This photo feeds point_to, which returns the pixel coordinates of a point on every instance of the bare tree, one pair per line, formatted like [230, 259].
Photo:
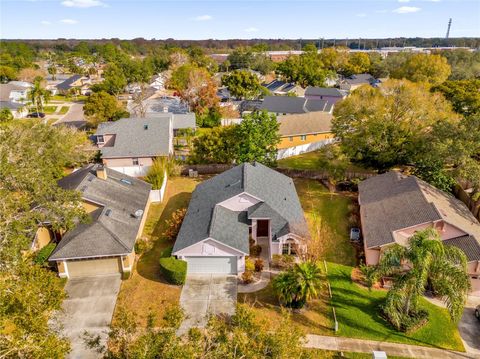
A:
[139, 101]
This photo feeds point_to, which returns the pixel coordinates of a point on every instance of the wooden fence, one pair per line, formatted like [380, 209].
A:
[294, 173]
[473, 206]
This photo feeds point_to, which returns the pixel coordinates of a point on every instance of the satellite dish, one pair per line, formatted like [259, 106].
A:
[138, 213]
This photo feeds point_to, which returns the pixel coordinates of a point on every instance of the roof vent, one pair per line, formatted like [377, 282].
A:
[138, 213]
[145, 127]
[126, 181]
[108, 212]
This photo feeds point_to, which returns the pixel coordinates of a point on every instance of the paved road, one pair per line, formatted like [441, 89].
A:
[368, 346]
[89, 307]
[205, 294]
[74, 117]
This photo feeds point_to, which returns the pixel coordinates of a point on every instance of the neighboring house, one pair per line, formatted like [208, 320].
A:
[224, 94]
[130, 145]
[393, 207]
[249, 200]
[355, 81]
[15, 91]
[331, 94]
[17, 109]
[158, 82]
[79, 82]
[283, 105]
[282, 88]
[118, 206]
[302, 133]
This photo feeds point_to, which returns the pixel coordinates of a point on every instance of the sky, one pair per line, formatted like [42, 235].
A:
[229, 19]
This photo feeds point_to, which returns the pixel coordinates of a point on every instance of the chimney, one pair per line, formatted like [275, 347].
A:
[101, 172]
[165, 109]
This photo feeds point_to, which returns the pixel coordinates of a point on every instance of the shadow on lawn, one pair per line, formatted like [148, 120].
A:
[148, 265]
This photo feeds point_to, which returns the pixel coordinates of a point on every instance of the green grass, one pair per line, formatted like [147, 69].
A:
[327, 217]
[49, 109]
[310, 161]
[357, 312]
[63, 110]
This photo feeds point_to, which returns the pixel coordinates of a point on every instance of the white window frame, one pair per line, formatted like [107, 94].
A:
[135, 161]
[101, 142]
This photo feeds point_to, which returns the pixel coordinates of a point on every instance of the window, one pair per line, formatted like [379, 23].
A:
[135, 161]
[289, 247]
[290, 139]
[303, 137]
[286, 248]
[100, 139]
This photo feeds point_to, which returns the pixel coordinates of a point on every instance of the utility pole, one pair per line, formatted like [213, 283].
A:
[448, 28]
[322, 42]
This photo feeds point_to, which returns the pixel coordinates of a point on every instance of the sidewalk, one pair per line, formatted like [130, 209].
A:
[368, 346]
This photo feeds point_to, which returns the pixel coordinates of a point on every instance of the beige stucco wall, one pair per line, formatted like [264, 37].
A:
[90, 207]
[473, 267]
[372, 256]
[292, 141]
[129, 260]
[43, 237]
[61, 269]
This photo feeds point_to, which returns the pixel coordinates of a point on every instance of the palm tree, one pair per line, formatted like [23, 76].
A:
[38, 95]
[424, 260]
[52, 70]
[299, 284]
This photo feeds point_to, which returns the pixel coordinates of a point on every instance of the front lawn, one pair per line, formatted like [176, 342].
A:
[358, 315]
[63, 110]
[147, 291]
[327, 215]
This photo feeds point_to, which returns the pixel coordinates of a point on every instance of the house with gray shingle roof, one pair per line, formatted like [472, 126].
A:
[283, 105]
[117, 205]
[282, 88]
[353, 82]
[394, 206]
[249, 200]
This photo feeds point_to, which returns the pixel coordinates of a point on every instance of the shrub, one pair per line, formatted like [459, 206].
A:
[174, 223]
[44, 253]
[259, 265]
[167, 252]
[249, 264]
[255, 250]
[174, 316]
[126, 274]
[143, 245]
[156, 173]
[174, 270]
[283, 260]
[247, 277]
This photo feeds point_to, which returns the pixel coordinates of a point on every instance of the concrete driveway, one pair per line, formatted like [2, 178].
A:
[207, 294]
[74, 117]
[89, 307]
[469, 328]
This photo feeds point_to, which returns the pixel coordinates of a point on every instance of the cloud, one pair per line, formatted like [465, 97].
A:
[45, 22]
[203, 18]
[362, 14]
[69, 21]
[407, 9]
[251, 29]
[83, 3]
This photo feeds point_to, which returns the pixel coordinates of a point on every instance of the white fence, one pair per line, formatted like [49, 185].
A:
[134, 171]
[298, 150]
[156, 195]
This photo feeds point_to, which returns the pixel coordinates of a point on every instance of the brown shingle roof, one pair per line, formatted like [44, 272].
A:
[312, 122]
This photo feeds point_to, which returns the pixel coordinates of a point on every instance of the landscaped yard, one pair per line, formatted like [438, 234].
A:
[310, 161]
[63, 110]
[328, 211]
[358, 315]
[146, 291]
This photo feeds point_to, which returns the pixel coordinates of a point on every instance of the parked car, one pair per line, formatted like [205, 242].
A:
[355, 234]
[477, 312]
[36, 115]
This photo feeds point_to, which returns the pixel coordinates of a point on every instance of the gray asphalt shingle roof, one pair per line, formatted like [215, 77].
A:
[292, 105]
[392, 201]
[138, 137]
[204, 219]
[113, 227]
[324, 91]
[65, 85]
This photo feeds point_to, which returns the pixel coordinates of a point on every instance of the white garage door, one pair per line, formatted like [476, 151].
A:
[224, 265]
[93, 267]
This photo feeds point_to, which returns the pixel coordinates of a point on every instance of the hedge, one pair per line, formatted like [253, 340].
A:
[44, 253]
[174, 270]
